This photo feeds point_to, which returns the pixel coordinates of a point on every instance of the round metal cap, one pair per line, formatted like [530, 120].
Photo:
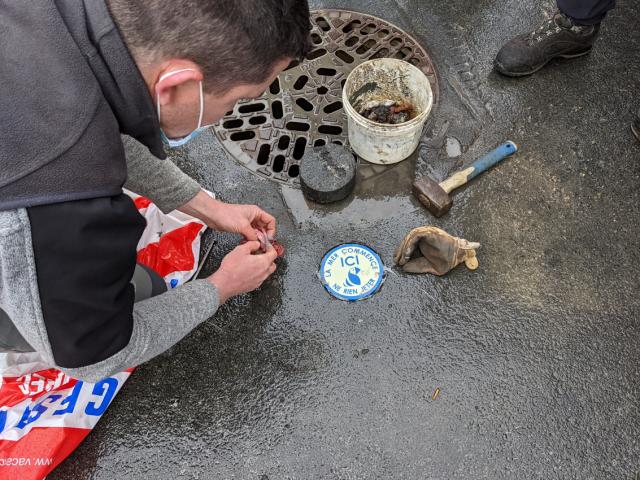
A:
[328, 173]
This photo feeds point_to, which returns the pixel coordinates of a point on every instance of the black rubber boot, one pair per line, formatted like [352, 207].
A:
[635, 126]
[557, 37]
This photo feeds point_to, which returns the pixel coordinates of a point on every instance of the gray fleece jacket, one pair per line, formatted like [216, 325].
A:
[158, 323]
[73, 89]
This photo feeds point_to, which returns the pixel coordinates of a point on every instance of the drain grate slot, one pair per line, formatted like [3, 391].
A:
[344, 56]
[263, 154]
[278, 163]
[303, 108]
[283, 143]
[301, 82]
[370, 28]
[365, 47]
[352, 41]
[298, 126]
[305, 104]
[330, 129]
[382, 53]
[239, 136]
[259, 120]
[323, 24]
[294, 171]
[274, 88]
[276, 110]
[333, 107]
[403, 53]
[316, 54]
[231, 124]
[252, 108]
[327, 72]
[351, 26]
[299, 148]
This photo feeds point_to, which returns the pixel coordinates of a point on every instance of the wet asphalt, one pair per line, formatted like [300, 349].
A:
[536, 354]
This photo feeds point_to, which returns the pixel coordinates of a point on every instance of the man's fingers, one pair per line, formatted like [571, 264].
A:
[268, 222]
[249, 233]
[271, 228]
[272, 268]
[271, 254]
[252, 246]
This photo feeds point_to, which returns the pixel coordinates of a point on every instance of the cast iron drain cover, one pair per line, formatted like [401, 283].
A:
[303, 106]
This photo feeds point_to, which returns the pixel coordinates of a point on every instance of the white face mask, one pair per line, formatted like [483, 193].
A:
[175, 143]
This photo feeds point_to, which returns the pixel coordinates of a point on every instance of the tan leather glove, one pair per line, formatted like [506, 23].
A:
[432, 250]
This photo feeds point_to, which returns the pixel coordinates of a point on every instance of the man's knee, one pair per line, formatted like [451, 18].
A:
[11, 340]
[147, 283]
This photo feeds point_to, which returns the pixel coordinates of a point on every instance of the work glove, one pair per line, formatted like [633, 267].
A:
[432, 250]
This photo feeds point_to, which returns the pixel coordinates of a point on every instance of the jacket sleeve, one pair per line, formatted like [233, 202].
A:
[158, 324]
[161, 181]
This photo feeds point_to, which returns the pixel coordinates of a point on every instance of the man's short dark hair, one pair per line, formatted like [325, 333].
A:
[233, 41]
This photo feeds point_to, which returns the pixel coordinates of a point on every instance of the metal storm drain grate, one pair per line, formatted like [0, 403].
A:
[303, 106]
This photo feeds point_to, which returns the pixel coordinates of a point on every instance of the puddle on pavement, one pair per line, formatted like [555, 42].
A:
[454, 149]
[381, 192]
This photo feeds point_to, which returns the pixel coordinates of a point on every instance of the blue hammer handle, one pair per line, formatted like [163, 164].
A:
[479, 166]
[485, 163]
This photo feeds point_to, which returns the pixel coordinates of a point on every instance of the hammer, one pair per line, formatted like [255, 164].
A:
[435, 196]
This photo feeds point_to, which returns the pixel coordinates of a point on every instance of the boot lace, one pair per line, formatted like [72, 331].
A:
[548, 28]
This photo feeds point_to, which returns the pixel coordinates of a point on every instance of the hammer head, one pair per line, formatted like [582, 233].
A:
[432, 196]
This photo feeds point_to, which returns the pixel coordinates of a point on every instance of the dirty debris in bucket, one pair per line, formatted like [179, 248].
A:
[388, 111]
[387, 102]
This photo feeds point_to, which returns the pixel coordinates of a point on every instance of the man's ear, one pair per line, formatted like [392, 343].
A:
[173, 74]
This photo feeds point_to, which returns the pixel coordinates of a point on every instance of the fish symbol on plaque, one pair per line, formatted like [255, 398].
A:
[353, 277]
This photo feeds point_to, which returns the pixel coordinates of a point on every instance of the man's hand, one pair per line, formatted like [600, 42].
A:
[243, 219]
[243, 270]
[225, 217]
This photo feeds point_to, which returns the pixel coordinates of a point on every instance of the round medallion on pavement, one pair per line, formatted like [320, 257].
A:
[352, 272]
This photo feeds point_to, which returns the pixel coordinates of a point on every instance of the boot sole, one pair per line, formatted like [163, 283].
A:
[503, 71]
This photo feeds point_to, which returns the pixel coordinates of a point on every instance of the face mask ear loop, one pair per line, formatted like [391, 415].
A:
[201, 105]
[173, 73]
[158, 105]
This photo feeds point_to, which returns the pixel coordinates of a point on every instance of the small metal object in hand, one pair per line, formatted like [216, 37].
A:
[264, 240]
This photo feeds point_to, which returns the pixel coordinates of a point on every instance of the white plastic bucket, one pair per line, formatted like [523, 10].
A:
[386, 79]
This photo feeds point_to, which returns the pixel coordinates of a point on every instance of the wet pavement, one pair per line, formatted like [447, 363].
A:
[536, 354]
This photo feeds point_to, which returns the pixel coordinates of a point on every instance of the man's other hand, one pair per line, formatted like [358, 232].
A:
[226, 217]
[243, 270]
[243, 219]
